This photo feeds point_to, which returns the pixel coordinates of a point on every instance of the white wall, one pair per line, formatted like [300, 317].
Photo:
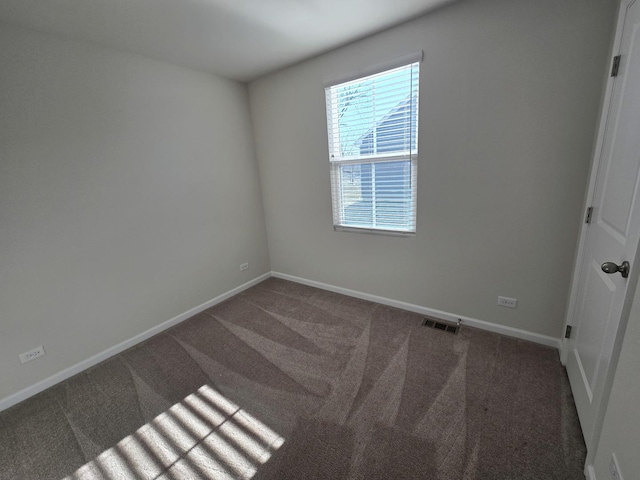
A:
[621, 428]
[509, 100]
[129, 194]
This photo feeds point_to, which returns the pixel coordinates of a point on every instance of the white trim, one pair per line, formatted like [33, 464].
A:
[374, 231]
[472, 322]
[36, 388]
[63, 375]
[372, 70]
[590, 472]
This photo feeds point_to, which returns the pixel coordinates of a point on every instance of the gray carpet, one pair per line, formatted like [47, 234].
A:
[286, 382]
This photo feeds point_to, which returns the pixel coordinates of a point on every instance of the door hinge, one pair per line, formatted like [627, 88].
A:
[615, 66]
[587, 218]
[567, 332]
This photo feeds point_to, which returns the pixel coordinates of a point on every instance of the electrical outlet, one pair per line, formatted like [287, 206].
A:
[507, 302]
[614, 468]
[31, 354]
[244, 266]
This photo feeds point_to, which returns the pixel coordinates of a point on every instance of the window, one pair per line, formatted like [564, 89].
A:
[372, 123]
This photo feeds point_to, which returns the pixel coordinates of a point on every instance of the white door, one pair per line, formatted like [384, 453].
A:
[612, 235]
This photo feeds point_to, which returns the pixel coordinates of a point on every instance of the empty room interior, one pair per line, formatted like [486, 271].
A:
[319, 239]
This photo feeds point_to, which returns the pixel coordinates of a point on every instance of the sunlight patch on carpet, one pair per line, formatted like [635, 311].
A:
[204, 436]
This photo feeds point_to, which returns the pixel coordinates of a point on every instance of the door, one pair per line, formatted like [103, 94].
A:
[612, 235]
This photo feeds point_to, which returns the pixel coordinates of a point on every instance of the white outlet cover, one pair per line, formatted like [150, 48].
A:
[32, 354]
[508, 302]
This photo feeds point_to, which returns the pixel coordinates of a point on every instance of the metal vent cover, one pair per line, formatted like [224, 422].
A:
[443, 325]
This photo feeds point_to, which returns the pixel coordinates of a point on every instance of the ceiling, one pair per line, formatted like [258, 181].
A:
[238, 39]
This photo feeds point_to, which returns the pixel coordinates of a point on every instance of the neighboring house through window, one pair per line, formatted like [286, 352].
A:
[372, 123]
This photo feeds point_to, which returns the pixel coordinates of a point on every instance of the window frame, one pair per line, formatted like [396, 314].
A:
[373, 159]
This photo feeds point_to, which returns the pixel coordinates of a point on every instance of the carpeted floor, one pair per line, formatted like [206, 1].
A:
[286, 382]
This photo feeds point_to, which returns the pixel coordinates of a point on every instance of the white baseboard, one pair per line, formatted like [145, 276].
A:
[590, 472]
[116, 349]
[25, 393]
[472, 322]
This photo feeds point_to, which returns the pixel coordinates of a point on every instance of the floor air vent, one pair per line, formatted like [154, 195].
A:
[448, 327]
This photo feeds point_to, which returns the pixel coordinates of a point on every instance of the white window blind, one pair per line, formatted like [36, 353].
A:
[372, 124]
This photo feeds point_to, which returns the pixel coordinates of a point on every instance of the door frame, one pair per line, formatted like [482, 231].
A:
[576, 279]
